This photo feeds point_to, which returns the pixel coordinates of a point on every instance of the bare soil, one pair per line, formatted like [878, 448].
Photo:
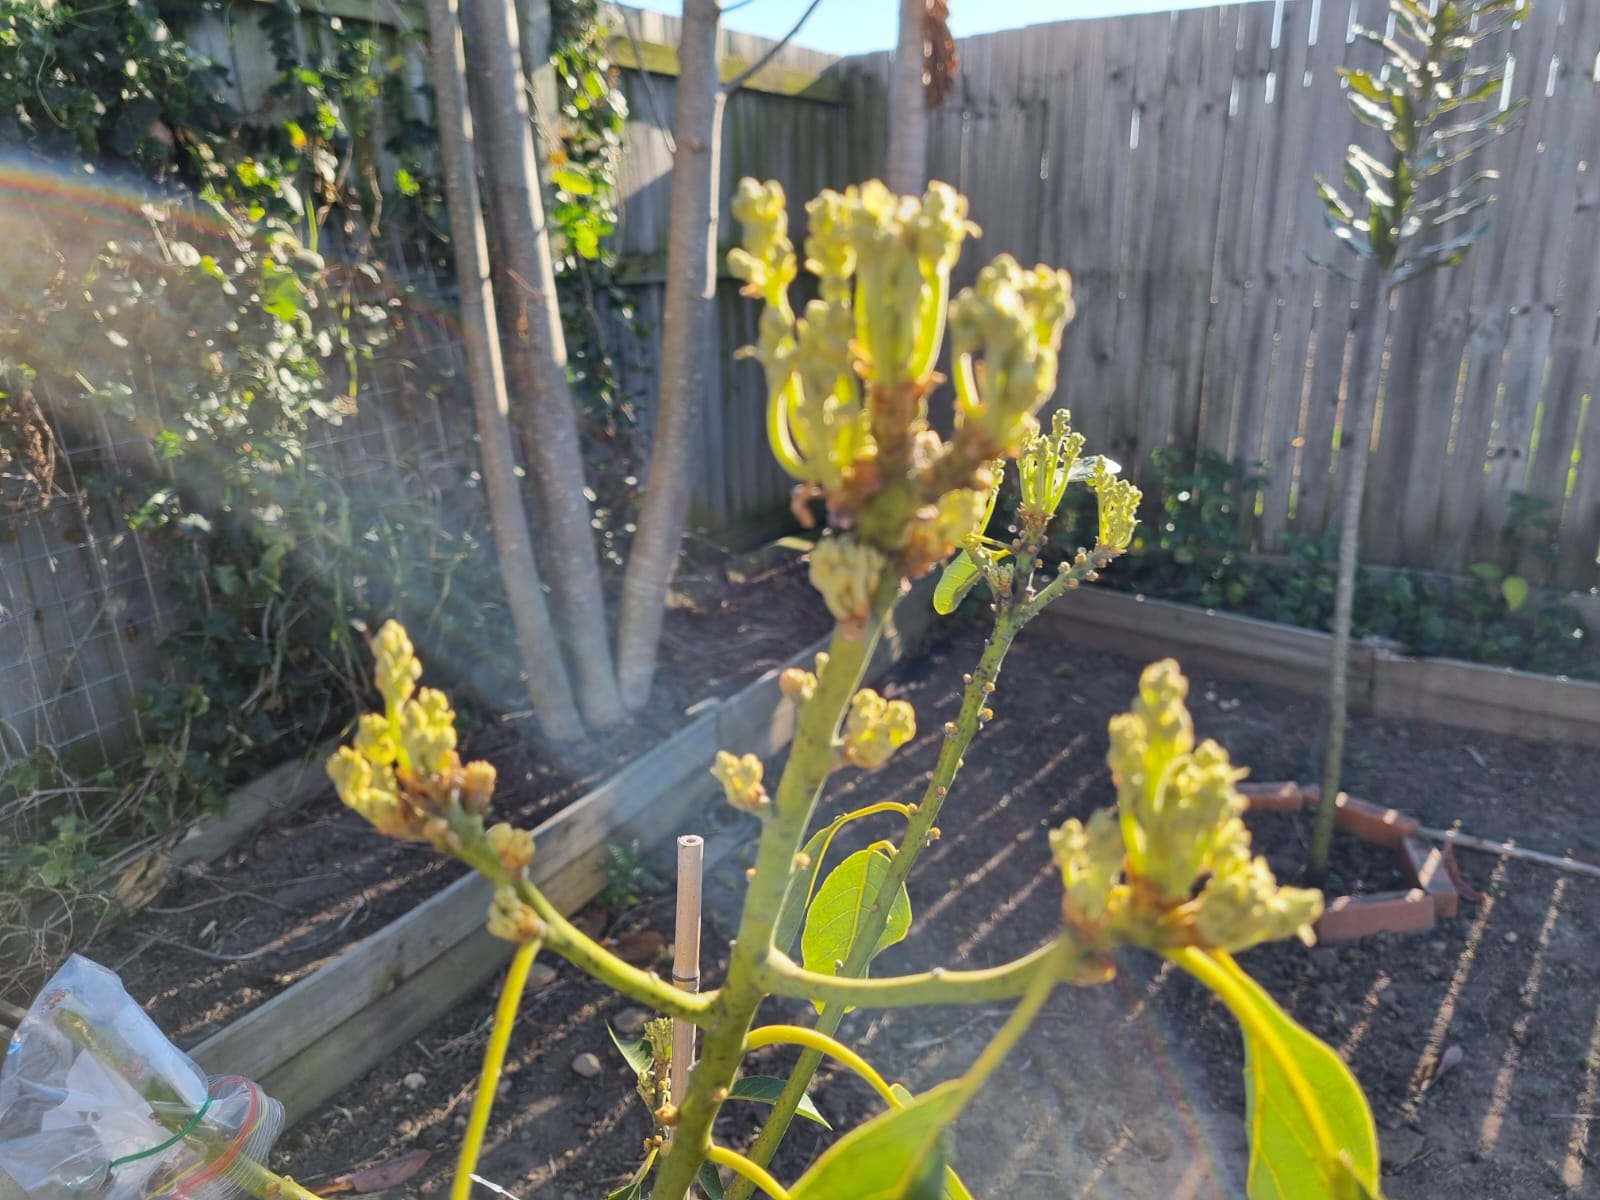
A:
[226, 937]
[1128, 1090]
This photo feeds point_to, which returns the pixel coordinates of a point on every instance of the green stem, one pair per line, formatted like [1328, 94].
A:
[918, 832]
[505, 1018]
[735, 1003]
[1058, 966]
[1087, 565]
[780, 976]
[747, 1170]
[799, 1035]
[571, 943]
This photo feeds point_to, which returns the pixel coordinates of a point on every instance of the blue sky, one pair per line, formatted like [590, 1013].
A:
[855, 26]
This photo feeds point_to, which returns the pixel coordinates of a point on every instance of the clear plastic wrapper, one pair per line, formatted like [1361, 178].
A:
[95, 1101]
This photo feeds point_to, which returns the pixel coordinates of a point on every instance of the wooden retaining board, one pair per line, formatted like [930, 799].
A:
[1382, 681]
[311, 1041]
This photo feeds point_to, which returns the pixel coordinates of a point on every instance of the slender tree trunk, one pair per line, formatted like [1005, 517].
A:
[685, 323]
[536, 356]
[548, 688]
[1360, 411]
[908, 104]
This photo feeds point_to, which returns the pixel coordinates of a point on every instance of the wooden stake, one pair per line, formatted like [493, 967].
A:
[686, 956]
[1506, 850]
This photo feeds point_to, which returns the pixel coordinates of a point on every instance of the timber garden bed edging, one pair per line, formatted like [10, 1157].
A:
[1383, 682]
[317, 1037]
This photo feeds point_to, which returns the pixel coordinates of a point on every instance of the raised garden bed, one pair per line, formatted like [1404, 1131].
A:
[310, 1039]
[1382, 681]
[1131, 1090]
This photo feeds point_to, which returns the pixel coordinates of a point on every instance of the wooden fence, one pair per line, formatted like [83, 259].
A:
[1167, 161]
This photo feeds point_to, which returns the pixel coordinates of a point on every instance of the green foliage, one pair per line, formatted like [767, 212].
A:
[583, 217]
[1401, 209]
[833, 920]
[898, 1155]
[1190, 550]
[629, 876]
[765, 1089]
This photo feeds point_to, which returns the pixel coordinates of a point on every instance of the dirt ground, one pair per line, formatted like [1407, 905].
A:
[222, 938]
[1131, 1090]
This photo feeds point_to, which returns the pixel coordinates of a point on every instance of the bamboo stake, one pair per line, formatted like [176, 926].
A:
[1507, 850]
[686, 956]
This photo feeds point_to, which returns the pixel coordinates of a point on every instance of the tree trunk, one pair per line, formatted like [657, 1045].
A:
[536, 357]
[1360, 411]
[548, 689]
[685, 323]
[908, 104]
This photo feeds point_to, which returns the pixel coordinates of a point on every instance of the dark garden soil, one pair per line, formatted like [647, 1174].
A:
[1130, 1090]
[222, 938]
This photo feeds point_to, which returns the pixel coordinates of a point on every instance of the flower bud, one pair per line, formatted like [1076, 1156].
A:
[477, 786]
[876, 728]
[396, 666]
[513, 919]
[512, 846]
[1119, 507]
[848, 575]
[797, 684]
[427, 730]
[740, 777]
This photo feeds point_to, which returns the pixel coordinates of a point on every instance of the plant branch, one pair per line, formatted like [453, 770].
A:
[494, 1057]
[782, 977]
[738, 1163]
[810, 762]
[799, 1035]
[1061, 960]
[1083, 570]
[744, 77]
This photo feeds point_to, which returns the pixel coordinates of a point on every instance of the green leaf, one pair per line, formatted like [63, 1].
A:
[1487, 571]
[1287, 1159]
[1514, 588]
[793, 911]
[765, 1089]
[634, 1188]
[954, 1189]
[635, 1050]
[836, 914]
[961, 575]
[573, 179]
[709, 1181]
[898, 1155]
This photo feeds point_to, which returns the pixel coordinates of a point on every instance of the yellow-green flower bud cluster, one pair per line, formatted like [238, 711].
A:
[1005, 334]
[848, 573]
[798, 684]
[1119, 506]
[1045, 465]
[512, 918]
[875, 728]
[512, 846]
[402, 772]
[1173, 867]
[740, 777]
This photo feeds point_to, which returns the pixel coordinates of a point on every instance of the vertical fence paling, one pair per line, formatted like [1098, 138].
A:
[1175, 155]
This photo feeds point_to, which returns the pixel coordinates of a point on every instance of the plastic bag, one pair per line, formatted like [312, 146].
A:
[95, 1101]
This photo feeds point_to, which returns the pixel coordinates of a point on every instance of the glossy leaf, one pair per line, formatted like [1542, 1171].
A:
[1287, 1158]
[709, 1181]
[954, 1189]
[1514, 589]
[635, 1050]
[961, 575]
[835, 916]
[793, 912]
[898, 1155]
[765, 1089]
[634, 1188]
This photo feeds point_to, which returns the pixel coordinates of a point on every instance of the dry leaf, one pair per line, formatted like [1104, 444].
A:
[380, 1177]
[641, 948]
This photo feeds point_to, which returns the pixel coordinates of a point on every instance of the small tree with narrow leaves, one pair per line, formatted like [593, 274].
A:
[1413, 206]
